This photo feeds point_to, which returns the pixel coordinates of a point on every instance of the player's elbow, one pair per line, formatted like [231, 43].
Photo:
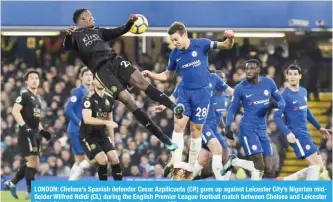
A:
[86, 119]
[67, 111]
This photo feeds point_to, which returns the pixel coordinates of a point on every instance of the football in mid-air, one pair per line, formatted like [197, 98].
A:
[140, 25]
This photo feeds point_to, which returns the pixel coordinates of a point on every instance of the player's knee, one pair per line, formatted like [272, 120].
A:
[33, 162]
[215, 147]
[113, 158]
[258, 162]
[196, 130]
[179, 126]
[203, 161]
[143, 84]
[127, 100]
[101, 159]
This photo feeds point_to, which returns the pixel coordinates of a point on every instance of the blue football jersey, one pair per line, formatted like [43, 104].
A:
[73, 109]
[255, 99]
[217, 84]
[192, 63]
[296, 112]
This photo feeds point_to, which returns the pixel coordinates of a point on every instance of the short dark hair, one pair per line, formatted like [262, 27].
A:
[78, 13]
[28, 72]
[294, 66]
[255, 61]
[83, 70]
[177, 27]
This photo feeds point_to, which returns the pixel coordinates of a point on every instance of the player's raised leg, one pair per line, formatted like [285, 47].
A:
[136, 79]
[143, 118]
[116, 88]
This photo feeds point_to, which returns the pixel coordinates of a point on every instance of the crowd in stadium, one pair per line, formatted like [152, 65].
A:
[141, 154]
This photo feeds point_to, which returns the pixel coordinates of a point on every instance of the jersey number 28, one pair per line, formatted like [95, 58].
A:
[201, 113]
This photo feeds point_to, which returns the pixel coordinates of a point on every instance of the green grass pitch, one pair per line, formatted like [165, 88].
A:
[7, 197]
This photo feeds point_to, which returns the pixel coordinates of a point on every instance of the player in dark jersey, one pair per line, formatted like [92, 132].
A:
[255, 93]
[97, 117]
[297, 114]
[26, 112]
[114, 73]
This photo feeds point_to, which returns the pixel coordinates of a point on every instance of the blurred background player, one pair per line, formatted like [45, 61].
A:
[255, 93]
[26, 112]
[190, 58]
[73, 111]
[91, 45]
[97, 116]
[297, 113]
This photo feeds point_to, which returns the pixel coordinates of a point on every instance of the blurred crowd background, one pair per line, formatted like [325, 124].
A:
[141, 154]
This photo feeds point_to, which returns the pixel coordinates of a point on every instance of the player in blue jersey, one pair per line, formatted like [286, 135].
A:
[73, 111]
[255, 93]
[190, 58]
[212, 139]
[220, 102]
[297, 113]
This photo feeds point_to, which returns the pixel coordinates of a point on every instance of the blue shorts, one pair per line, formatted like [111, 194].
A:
[74, 138]
[255, 141]
[196, 103]
[210, 131]
[304, 145]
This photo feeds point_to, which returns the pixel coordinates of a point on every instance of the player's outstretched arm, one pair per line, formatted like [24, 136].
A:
[223, 86]
[229, 42]
[161, 108]
[88, 119]
[164, 76]
[110, 34]
[71, 104]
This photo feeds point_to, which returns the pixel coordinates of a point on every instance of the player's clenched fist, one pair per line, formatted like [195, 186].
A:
[291, 138]
[229, 34]
[146, 73]
[70, 30]
[132, 18]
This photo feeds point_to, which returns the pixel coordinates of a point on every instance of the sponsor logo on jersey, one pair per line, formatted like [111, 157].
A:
[89, 39]
[304, 107]
[266, 101]
[193, 64]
